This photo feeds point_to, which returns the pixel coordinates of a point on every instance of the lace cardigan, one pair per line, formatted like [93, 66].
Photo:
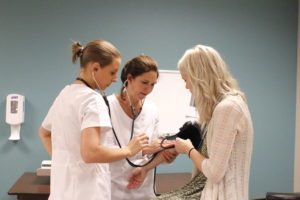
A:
[229, 143]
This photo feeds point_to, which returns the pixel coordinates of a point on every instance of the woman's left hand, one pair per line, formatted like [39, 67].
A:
[183, 146]
[169, 155]
[137, 178]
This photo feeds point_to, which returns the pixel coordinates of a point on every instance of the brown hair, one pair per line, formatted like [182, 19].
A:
[99, 51]
[138, 66]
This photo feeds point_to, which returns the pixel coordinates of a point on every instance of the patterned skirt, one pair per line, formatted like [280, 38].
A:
[193, 189]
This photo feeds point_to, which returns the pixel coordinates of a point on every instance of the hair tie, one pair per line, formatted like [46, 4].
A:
[80, 51]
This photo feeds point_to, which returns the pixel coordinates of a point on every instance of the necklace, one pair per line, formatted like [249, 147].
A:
[135, 112]
[127, 104]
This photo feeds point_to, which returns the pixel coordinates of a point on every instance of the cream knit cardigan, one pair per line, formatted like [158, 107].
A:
[229, 145]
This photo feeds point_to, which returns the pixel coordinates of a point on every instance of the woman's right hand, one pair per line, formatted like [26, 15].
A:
[137, 143]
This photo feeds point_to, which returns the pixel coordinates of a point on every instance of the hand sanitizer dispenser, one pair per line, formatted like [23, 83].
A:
[15, 110]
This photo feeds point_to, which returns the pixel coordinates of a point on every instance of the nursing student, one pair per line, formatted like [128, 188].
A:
[77, 124]
[225, 157]
[132, 113]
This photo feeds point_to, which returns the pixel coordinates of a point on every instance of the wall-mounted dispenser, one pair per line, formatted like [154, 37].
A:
[15, 112]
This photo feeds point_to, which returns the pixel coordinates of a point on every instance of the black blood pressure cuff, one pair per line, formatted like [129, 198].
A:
[189, 130]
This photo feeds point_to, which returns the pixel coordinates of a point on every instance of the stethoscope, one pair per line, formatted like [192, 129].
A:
[135, 115]
[173, 137]
[132, 129]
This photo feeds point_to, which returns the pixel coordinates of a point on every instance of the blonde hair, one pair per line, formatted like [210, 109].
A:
[210, 78]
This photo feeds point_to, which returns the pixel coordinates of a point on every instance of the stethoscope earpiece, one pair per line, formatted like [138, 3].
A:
[125, 84]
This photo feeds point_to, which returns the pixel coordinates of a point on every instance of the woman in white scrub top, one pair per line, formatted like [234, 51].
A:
[77, 124]
[139, 76]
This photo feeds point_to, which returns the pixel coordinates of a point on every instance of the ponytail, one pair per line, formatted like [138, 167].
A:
[77, 51]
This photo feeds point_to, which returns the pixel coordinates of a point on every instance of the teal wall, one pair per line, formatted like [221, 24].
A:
[257, 39]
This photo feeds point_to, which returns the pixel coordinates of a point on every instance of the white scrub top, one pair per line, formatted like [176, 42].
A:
[76, 107]
[146, 122]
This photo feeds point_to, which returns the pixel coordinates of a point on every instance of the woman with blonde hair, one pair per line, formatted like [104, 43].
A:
[222, 107]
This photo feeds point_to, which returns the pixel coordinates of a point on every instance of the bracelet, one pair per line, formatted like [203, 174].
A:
[189, 154]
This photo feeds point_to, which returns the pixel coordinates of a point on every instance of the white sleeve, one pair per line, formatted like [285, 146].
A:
[224, 129]
[47, 122]
[110, 140]
[155, 129]
[152, 127]
[94, 113]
